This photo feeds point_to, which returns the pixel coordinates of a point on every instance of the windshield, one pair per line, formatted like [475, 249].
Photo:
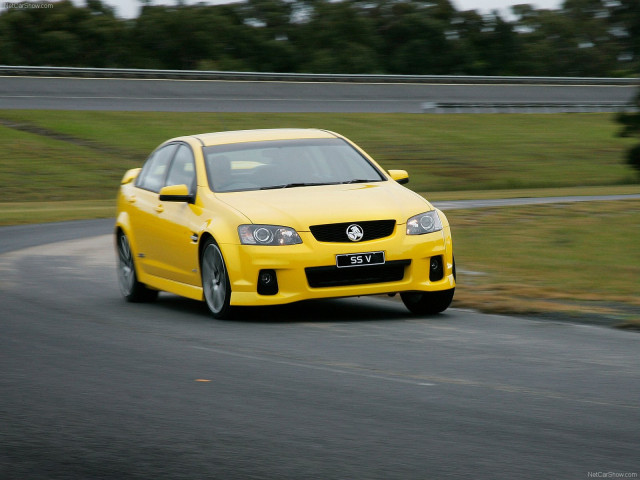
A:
[286, 164]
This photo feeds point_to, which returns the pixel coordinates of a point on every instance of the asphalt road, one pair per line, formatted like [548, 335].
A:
[514, 202]
[94, 387]
[249, 96]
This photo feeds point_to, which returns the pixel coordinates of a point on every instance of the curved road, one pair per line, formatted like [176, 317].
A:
[279, 96]
[94, 387]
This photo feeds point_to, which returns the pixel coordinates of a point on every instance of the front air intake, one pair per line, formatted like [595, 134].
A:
[267, 282]
[337, 232]
[331, 276]
[436, 269]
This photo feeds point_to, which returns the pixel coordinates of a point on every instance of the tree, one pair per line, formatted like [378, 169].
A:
[583, 38]
[63, 35]
[413, 36]
[624, 21]
[336, 37]
[630, 122]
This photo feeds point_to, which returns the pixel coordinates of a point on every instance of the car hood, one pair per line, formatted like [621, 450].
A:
[301, 207]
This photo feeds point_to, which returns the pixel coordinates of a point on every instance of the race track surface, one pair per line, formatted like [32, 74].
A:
[94, 387]
[247, 96]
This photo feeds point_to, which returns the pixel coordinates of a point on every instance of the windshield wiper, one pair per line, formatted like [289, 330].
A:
[297, 184]
[359, 180]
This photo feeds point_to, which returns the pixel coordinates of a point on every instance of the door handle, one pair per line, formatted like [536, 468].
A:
[160, 208]
[131, 199]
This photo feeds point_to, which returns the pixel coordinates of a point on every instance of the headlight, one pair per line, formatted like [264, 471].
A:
[268, 235]
[428, 222]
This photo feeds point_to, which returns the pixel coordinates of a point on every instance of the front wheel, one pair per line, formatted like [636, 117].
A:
[132, 290]
[215, 281]
[427, 303]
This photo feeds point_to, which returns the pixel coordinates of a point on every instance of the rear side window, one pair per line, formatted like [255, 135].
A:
[154, 170]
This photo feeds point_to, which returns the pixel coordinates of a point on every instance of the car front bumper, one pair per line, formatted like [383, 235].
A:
[406, 268]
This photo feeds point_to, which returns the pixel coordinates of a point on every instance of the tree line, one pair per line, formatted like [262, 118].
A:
[430, 37]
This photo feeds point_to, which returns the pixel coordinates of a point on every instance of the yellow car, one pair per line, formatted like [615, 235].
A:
[265, 217]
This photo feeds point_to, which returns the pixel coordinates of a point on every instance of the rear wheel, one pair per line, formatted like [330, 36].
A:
[215, 281]
[132, 290]
[427, 303]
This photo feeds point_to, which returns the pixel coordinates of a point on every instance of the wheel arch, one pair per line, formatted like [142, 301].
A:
[204, 238]
[207, 239]
[123, 225]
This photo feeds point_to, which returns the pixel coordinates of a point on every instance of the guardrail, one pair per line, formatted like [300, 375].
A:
[10, 70]
[526, 107]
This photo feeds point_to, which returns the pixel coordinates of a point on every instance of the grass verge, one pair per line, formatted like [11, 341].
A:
[67, 155]
[578, 260]
[18, 213]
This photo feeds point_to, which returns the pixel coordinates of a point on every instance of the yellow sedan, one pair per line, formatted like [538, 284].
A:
[266, 217]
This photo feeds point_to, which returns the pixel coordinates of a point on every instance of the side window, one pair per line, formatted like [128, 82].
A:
[153, 173]
[183, 169]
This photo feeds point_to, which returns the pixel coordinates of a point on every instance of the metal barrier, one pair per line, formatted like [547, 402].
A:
[10, 70]
[526, 107]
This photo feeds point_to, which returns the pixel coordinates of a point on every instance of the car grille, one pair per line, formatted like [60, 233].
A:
[319, 277]
[337, 232]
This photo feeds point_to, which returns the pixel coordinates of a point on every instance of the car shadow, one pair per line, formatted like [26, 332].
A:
[353, 309]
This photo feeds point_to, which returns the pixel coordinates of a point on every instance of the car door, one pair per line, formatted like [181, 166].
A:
[144, 203]
[176, 245]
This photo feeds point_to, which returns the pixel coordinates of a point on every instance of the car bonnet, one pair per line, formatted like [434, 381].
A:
[302, 207]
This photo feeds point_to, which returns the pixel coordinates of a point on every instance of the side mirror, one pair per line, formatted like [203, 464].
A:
[130, 175]
[400, 176]
[176, 193]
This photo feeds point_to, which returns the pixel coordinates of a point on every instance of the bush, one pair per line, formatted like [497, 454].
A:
[633, 157]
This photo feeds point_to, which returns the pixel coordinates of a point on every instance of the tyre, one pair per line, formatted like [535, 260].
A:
[132, 290]
[215, 281]
[427, 303]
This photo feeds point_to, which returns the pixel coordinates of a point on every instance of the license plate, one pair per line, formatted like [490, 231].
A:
[359, 259]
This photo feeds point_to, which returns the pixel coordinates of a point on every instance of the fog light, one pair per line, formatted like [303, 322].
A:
[267, 282]
[436, 270]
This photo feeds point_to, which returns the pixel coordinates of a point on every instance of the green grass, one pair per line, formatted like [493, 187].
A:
[39, 168]
[15, 213]
[575, 258]
[441, 152]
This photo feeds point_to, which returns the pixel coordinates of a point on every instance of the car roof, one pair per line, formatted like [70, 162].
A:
[240, 136]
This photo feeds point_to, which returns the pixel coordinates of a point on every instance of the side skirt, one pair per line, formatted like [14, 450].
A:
[182, 289]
